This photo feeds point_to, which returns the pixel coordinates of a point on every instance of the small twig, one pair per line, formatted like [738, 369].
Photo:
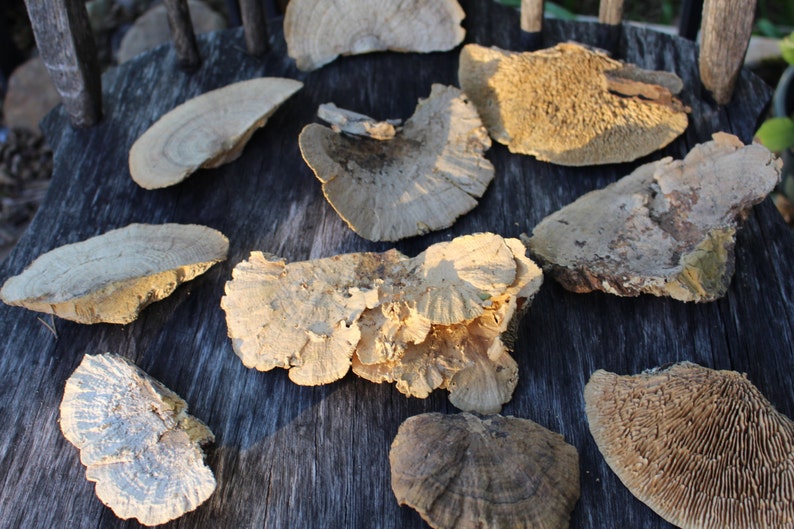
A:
[50, 326]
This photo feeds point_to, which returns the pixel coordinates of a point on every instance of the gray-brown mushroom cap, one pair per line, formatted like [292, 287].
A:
[464, 472]
[421, 180]
[569, 105]
[137, 441]
[318, 31]
[667, 229]
[112, 277]
[206, 131]
[702, 448]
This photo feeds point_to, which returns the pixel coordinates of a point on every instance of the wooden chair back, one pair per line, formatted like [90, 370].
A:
[66, 45]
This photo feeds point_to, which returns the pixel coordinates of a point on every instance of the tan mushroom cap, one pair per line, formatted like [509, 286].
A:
[569, 105]
[702, 448]
[434, 321]
[136, 440]
[465, 472]
[318, 31]
[302, 316]
[423, 179]
[206, 131]
[667, 229]
[112, 277]
[465, 350]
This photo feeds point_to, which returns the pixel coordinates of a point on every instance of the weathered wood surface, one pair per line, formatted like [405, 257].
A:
[291, 456]
[725, 35]
[66, 45]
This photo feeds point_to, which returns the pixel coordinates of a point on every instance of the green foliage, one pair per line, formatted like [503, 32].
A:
[787, 48]
[777, 134]
[550, 8]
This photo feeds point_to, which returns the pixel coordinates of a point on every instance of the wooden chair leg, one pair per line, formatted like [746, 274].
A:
[255, 27]
[182, 34]
[66, 45]
[725, 35]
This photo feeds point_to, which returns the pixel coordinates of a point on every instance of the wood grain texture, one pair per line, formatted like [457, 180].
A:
[182, 34]
[725, 35]
[66, 45]
[255, 27]
[291, 456]
[531, 15]
[610, 12]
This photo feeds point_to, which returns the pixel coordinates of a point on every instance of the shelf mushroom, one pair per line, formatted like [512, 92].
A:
[667, 229]
[136, 439]
[421, 180]
[702, 448]
[571, 106]
[438, 320]
[112, 277]
[318, 31]
[207, 131]
[466, 472]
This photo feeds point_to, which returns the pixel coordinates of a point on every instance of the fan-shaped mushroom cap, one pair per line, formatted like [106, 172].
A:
[423, 179]
[436, 320]
[136, 440]
[318, 31]
[569, 105]
[702, 448]
[112, 277]
[471, 300]
[302, 316]
[206, 131]
[666, 229]
[463, 472]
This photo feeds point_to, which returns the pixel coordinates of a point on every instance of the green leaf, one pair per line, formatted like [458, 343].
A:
[558, 11]
[787, 48]
[776, 134]
[765, 27]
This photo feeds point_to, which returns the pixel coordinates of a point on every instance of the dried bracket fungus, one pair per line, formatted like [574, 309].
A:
[318, 31]
[112, 277]
[702, 448]
[434, 321]
[137, 441]
[571, 106]
[666, 229]
[431, 172]
[206, 131]
[465, 472]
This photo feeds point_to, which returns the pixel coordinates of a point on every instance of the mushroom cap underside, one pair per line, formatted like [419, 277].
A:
[569, 105]
[137, 441]
[702, 448]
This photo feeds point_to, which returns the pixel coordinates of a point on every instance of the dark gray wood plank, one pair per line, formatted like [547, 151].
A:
[66, 45]
[291, 456]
